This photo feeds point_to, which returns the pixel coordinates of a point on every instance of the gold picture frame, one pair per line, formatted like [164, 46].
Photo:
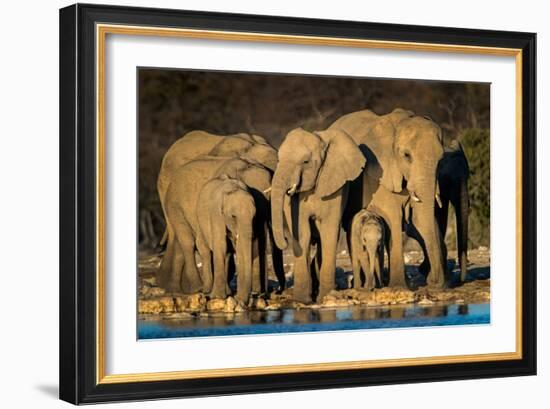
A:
[103, 22]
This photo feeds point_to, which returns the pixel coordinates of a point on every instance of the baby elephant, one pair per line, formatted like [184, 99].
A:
[226, 210]
[367, 248]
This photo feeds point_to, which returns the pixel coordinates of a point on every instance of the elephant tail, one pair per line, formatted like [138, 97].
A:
[162, 242]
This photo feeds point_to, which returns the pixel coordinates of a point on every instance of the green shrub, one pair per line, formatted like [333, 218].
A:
[476, 143]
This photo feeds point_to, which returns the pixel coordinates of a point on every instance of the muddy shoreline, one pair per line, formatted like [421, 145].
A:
[155, 303]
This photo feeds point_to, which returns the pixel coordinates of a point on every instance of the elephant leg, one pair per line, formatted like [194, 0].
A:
[277, 262]
[190, 280]
[378, 268]
[256, 268]
[206, 257]
[356, 267]
[168, 277]
[461, 205]
[220, 287]
[178, 263]
[229, 270]
[424, 267]
[262, 256]
[397, 266]
[315, 268]
[302, 276]
[347, 232]
[380, 265]
[329, 242]
[442, 217]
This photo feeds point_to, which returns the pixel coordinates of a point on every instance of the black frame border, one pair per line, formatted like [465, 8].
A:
[77, 315]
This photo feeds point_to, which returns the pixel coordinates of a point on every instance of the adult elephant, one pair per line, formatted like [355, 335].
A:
[253, 148]
[452, 176]
[182, 204]
[312, 173]
[403, 151]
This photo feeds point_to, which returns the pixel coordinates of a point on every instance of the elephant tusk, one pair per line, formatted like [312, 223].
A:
[265, 192]
[292, 189]
[438, 200]
[415, 198]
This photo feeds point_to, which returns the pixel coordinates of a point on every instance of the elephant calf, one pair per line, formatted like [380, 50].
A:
[367, 248]
[225, 211]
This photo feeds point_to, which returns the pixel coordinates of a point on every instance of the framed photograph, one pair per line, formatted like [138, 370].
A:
[258, 204]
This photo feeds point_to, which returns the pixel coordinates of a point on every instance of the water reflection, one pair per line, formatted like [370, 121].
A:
[291, 320]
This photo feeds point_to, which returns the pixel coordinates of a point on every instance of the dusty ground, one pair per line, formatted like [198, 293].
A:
[154, 300]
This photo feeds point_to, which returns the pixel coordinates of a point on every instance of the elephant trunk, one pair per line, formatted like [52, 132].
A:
[425, 222]
[280, 185]
[372, 250]
[244, 262]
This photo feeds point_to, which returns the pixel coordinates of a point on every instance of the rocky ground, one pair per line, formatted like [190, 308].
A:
[154, 302]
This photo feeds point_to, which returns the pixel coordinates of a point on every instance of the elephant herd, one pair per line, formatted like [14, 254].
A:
[374, 176]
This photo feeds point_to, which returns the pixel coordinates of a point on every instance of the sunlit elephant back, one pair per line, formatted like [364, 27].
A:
[196, 143]
[404, 150]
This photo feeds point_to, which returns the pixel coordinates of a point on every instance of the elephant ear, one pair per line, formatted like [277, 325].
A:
[392, 177]
[343, 162]
[210, 211]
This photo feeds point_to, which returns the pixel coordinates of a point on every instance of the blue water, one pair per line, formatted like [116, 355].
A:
[310, 320]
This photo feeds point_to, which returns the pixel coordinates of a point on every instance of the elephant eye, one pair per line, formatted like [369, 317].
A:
[407, 156]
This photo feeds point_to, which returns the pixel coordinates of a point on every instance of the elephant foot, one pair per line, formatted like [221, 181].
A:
[369, 287]
[242, 299]
[323, 292]
[172, 288]
[301, 298]
[217, 293]
[397, 283]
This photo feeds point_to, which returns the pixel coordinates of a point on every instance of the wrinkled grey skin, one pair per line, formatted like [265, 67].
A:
[178, 269]
[402, 151]
[452, 176]
[310, 189]
[226, 211]
[367, 254]
[252, 148]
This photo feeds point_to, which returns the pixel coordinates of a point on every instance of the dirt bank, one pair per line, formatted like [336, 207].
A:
[154, 300]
